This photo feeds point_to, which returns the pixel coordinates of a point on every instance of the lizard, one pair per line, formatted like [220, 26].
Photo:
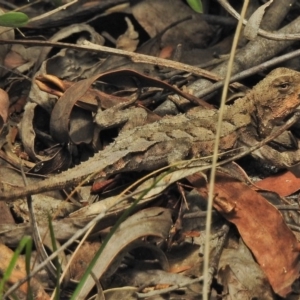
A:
[247, 121]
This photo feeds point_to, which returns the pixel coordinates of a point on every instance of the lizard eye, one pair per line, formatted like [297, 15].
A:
[284, 86]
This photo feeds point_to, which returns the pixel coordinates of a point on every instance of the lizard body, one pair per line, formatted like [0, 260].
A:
[184, 136]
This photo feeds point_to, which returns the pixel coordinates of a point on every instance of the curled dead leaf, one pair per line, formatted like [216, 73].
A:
[129, 40]
[252, 27]
[4, 105]
[153, 221]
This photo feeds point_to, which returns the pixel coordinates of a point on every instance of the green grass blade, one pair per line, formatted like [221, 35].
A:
[123, 217]
[28, 254]
[56, 261]
[12, 263]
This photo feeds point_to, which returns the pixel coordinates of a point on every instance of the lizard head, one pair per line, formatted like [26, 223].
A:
[276, 98]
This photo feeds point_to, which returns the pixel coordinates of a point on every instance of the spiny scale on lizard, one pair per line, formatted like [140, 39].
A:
[187, 135]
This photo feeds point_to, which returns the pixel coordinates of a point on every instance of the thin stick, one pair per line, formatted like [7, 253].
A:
[206, 288]
[261, 32]
[135, 57]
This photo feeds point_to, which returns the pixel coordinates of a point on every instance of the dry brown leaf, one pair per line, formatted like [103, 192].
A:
[18, 273]
[241, 276]
[6, 215]
[263, 230]
[89, 101]
[82, 259]
[155, 15]
[22, 58]
[127, 292]
[60, 116]
[166, 52]
[18, 106]
[4, 105]
[252, 27]
[179, 269]
[82, 125]
[153, 221]
[6, 33]
[129, 40]
[283, 184]
[13, 60]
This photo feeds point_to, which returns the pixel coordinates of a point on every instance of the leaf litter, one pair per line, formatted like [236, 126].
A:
[158, 249]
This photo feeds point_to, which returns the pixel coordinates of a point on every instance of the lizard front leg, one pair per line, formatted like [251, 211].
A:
[161, 154]
[286, 159]
[118, 116]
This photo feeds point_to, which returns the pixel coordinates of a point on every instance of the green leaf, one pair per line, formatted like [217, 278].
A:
[196, 5]
[13, 19]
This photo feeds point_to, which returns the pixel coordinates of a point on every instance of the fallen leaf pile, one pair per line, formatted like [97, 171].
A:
[74, 77]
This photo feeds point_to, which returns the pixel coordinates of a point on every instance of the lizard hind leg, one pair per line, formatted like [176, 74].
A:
[179, 152]
[160, 155]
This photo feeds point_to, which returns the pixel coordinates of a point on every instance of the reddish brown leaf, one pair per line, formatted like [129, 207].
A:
[263, 230]
[98, 186]
[166, 52]
[18, 106]
[18, 273]
[283, 184]
[179, 269]
[192, 233]
[55, 86]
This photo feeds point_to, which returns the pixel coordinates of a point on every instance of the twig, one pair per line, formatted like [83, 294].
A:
[206, 285]
[9, 5]
[222, 234]
[69, 242]
[261, 32]
[135, 57]
[36, 234]
[63, 7]
[251, 71]
[170, 289]
[288, 207]
[77, 235]
[293, 227]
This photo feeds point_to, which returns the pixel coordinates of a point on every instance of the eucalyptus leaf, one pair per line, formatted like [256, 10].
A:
[196, 5]
[13, 19]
